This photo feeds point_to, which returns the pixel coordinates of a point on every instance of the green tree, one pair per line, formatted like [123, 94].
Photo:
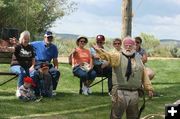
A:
[33, 15]
[150, 42]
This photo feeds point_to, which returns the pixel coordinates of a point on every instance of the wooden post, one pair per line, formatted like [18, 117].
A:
[126, 18]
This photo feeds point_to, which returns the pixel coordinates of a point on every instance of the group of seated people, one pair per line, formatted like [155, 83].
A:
[38, 77]
[32, 62]
[87, 64]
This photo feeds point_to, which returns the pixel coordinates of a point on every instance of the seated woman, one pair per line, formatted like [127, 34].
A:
[82, 64]
[117, 44]
[23, 58]
[144, 56]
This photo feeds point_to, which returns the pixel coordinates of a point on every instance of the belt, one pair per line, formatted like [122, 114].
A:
[128, 89]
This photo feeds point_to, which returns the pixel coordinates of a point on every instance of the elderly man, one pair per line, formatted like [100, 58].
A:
[46, 51]
[128, 76]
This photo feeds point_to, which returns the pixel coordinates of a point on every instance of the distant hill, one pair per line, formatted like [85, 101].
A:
[66, 36]
[75, 36]
[170, 41]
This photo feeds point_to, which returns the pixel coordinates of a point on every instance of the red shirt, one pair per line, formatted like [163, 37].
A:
[81, 55]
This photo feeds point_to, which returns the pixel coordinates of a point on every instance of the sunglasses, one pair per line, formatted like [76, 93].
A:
[99, 42]
[83, 41]
[50, 37]
[117, 43]
[137, 42]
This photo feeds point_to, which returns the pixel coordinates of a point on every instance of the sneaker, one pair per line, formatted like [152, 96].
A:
[85, 90]
[54, 93]
[89, 91]
[109, 93]
[18, 93]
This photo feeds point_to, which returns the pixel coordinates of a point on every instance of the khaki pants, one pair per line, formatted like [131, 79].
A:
[123, 100]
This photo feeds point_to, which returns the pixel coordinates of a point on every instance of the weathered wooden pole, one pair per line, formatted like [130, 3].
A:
[126, 18]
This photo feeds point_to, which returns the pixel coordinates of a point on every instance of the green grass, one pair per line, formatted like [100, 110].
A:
[68, 104]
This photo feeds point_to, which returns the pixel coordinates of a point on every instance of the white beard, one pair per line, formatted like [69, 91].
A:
[128, 53]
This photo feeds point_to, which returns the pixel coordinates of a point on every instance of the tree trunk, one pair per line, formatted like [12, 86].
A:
[126, 18]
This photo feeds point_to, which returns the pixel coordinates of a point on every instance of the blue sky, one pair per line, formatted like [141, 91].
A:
[160, 18]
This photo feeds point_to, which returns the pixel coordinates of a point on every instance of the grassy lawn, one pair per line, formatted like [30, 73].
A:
[68, 104]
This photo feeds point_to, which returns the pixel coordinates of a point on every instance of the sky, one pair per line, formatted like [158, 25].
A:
[160, 18]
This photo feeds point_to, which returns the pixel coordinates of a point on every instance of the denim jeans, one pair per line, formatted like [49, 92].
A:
[22, 72]
[55, 75]
[53, 71]
[43, 83]
[83, 75]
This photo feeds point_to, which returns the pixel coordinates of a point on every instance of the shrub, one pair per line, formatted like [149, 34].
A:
[175, 52]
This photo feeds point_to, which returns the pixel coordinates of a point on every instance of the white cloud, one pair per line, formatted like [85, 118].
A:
[174, 1]
[160, 26]
[93, 1]
[99, 3]
[160, 20]
[84, 23]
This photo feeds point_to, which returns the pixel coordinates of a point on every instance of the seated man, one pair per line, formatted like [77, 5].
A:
[46, 51]
[101, 66]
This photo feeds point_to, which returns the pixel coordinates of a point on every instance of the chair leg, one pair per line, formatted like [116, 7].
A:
[102, 87]
[9, 80]
[80, 90]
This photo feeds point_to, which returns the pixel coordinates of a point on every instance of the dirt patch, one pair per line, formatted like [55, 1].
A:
[65, 59]
[163, 58]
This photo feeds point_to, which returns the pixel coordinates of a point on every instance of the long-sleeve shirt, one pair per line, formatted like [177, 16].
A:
[115, 59]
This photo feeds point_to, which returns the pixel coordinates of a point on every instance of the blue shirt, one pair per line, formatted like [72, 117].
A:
[93, 53]
[44, 53]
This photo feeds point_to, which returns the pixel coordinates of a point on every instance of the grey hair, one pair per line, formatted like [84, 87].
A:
[23, 34]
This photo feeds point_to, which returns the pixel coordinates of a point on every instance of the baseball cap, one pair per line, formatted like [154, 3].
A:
[29, 80]
[48, 34]
[100, 38]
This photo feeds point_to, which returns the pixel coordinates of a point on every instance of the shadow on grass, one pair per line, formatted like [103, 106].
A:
[6, 93]
[63, 103]
[166, 83]
[171, 93]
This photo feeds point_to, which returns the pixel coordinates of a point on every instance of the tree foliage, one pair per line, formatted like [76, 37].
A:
[150, 42]
[175, 52]
[33, 15]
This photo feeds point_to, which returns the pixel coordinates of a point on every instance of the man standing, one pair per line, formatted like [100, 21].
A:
[128, 76]
[46, 51]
